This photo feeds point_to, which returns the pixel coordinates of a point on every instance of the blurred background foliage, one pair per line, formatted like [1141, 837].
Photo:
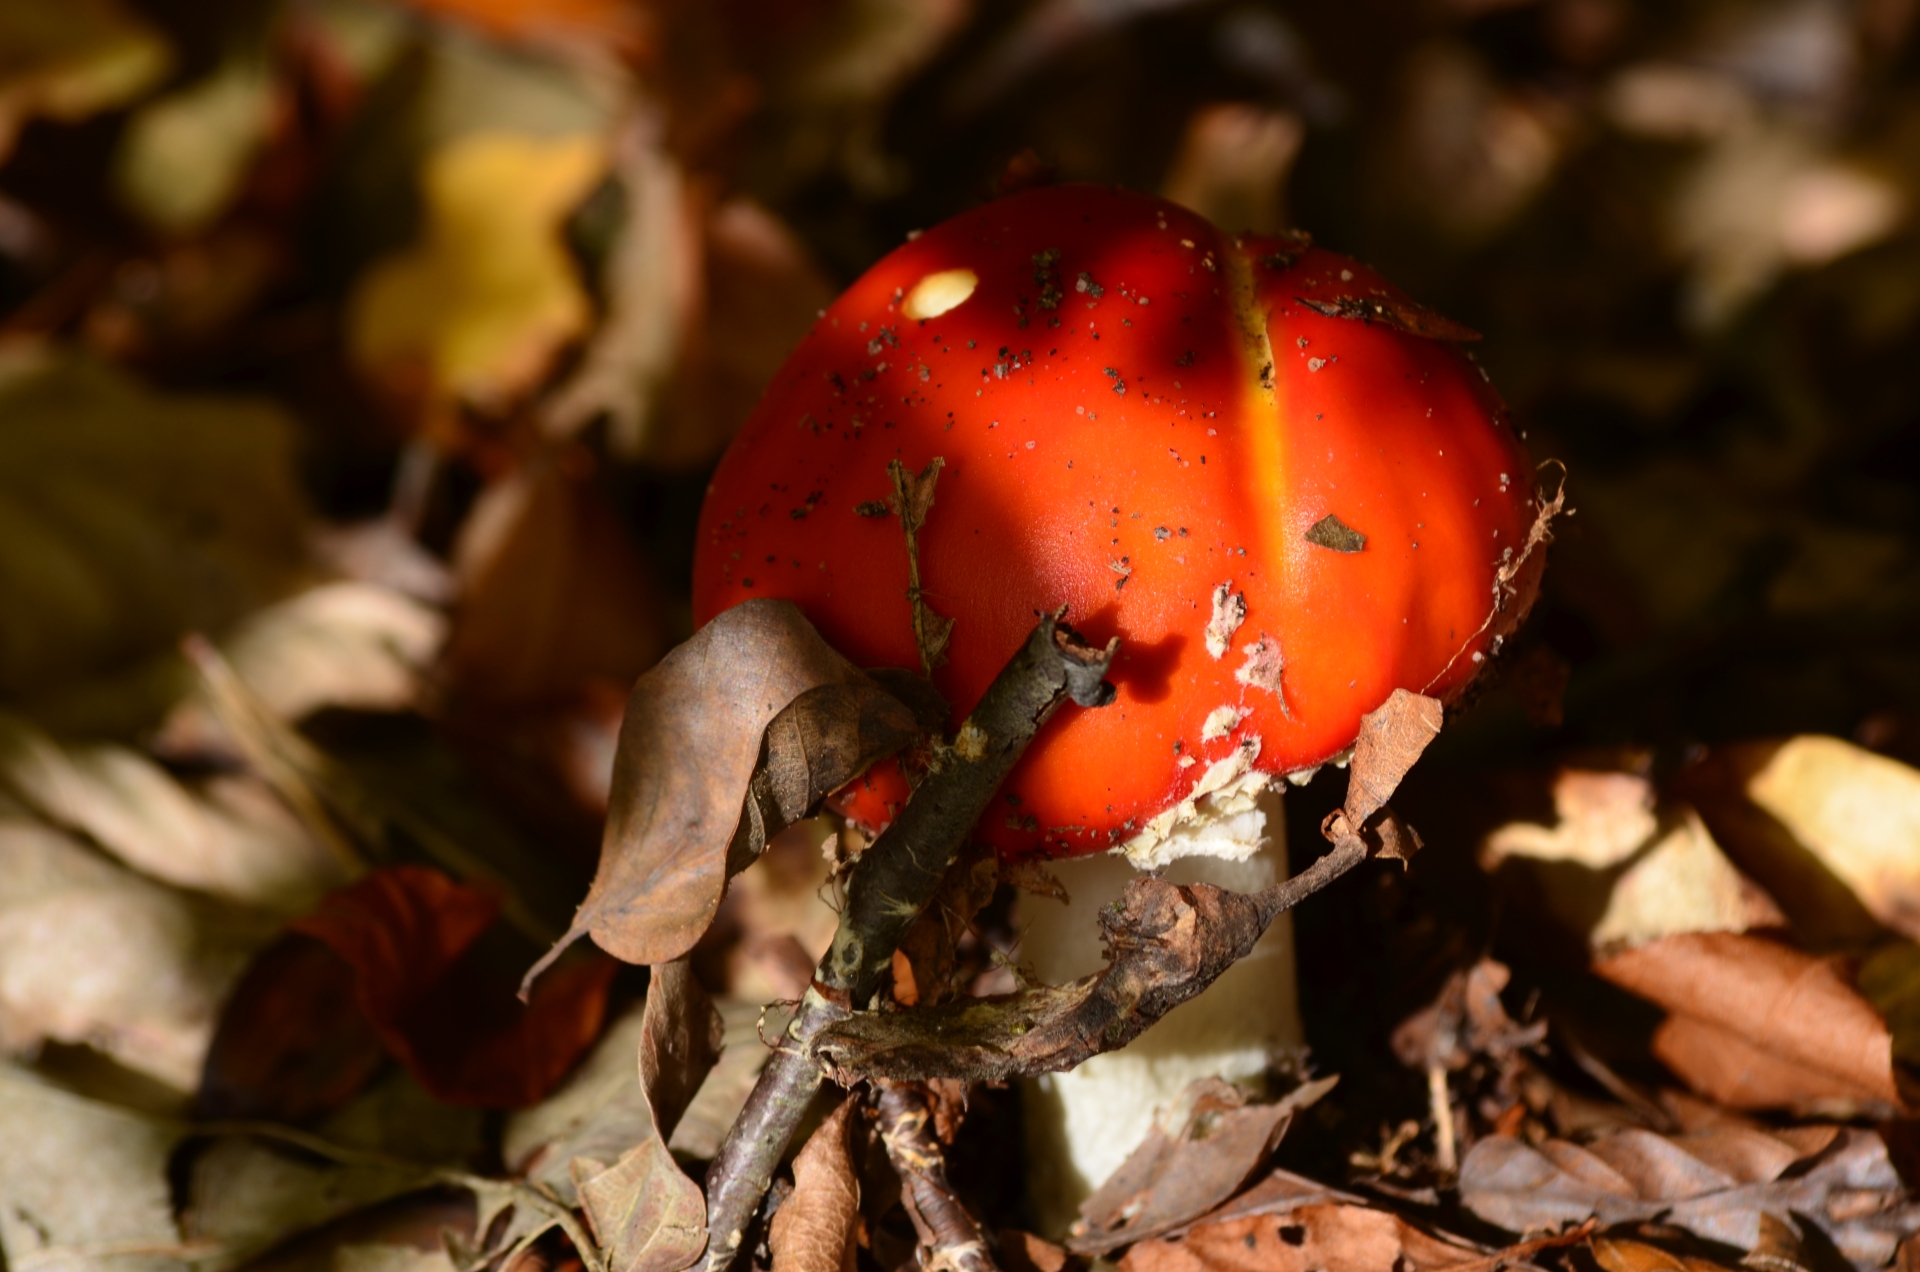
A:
[387, 346]
[463, 298]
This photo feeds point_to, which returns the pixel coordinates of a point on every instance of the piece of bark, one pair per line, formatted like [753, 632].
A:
[951, 1238]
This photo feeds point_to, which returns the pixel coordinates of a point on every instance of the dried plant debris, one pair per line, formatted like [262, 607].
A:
[1398, 313]
[645, 1213]
[1716, 1184]
[1165, 943]
[700, 729]
[912, 500]
[1332, 533]
[1201, 1153]
[816, 1226]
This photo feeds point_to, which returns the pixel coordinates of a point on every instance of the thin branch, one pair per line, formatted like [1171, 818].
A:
[891, 883]
[951, 1238]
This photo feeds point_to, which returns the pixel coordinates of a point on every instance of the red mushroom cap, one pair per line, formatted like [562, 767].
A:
[1277, 480]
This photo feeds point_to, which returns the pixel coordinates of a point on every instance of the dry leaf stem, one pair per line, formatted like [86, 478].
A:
[890, 885]
[951, 1238]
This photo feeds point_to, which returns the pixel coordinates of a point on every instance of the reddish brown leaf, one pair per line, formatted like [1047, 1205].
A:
[815, 1227]
[433, 976]
[1024, 1252]
[293, 1044]
[704, 735]
[1756, 1024]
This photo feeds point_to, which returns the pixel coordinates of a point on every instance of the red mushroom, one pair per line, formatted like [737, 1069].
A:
[1276, 479]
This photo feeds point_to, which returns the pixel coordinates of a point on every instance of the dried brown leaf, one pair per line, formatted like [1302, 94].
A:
[1325, 1236]
[1172, 1179]
[698, 727]
[1392, 737]
[1756, 1024]
[680, 1040]
[1467, 1019]
[815, 1227]
[1715, 1184]
[1825, 825]
[1618, 1255]
[646, 1215]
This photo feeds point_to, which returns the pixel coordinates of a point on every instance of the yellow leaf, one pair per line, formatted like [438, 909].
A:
[67, 59]
[489, 295]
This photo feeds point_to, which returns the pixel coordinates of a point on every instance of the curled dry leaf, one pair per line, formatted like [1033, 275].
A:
[815, 1228]
[698, 729]
[1174, 1178]
[1755, 1024]
[1825, 825]
[1717, 1184]
[680, 1040]
[1467, 1019]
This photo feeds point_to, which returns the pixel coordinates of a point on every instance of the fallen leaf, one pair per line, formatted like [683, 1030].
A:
[599, 1112]
[1636, 1256]
[228, 838]
[184, 155]
[1616, 870]
[1177, 1176]
[430, 982]
[554, 593]
[351, 645]
[55, 1139]
[1755, 1024]
[1392, 737]
[680, 1041]
[1024, 1252]
[95, 954]
[480, 306]
[245, 1196]
[1826, 826]
[293, 1043]
[1333, 1238]
[69, 61]
[1716, 1184]
[129, 518]
[698, 728]
[815, 1227]
[646, 1215]
[746, 1047]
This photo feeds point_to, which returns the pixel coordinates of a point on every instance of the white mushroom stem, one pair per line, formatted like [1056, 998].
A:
[1081, 1125]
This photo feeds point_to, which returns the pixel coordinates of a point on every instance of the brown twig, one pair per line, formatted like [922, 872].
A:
[951, 1239]
[890, 885]
[1166, 944]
